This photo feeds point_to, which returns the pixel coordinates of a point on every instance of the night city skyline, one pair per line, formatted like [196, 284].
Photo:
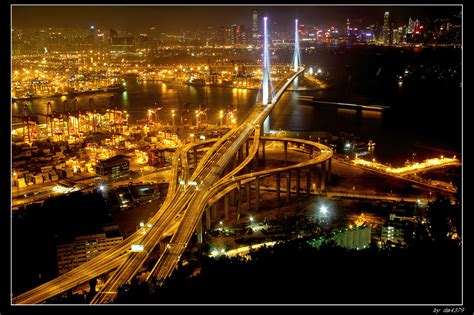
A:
[237, 155]
[141, 18]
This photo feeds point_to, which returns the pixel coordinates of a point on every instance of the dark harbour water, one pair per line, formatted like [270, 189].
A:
[424, 118]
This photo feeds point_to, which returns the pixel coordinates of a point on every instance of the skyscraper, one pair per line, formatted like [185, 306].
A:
[386, 28]
[233, 38]
[242, 35]
[417, 26]
[255, 27]
[411, 26]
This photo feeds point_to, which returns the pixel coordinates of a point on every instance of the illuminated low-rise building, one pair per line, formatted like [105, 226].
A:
[398, 230]
[114, 166]
[354, 237]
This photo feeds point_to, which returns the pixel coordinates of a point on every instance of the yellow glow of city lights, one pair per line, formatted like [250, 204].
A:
[409, 168]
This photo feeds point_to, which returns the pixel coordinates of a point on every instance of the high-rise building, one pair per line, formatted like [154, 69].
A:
[386, 28]
[222, 35]
[255, 27]
[242, 35]
[233, 35]
[401, 32]
[417, 26]
[411, 26]
[227, 35]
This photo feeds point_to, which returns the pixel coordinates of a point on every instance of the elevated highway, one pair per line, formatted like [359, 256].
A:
[189, 202]
[182, 209]
[182, 201]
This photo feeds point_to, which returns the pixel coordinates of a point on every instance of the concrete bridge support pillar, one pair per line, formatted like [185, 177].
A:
[92, 284]
[263, 150]
[239, 201]
[214, 210]
[257, 197]
[329, 170]
[311, 150]
[322, 183]
[249, 197]
[233, 199]
[195, 159]
[298, 175]
[199, 231]
[257, 155]
[285, 144]
[247, 147]
[308, 181]
[278, 186]
[208, 218]
[315, 178]
[288, 186]
[226, 207]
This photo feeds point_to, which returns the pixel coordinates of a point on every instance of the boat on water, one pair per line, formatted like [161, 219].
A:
[116, 88]
[89, 91]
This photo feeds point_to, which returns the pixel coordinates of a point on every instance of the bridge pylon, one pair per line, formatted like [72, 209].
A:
[296, 55]
[266, 81]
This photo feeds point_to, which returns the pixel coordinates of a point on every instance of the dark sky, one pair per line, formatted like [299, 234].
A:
[178, 18]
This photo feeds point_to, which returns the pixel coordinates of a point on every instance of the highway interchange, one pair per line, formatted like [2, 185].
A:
[182, 201]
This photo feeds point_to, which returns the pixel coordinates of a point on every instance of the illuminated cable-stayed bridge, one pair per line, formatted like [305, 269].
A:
[220, 171]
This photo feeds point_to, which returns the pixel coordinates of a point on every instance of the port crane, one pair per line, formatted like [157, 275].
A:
[30, 123]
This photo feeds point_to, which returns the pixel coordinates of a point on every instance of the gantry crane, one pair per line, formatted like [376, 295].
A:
[28, 119]
[93, 110]
[75, 114]
[49, 119]
[65, 117]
